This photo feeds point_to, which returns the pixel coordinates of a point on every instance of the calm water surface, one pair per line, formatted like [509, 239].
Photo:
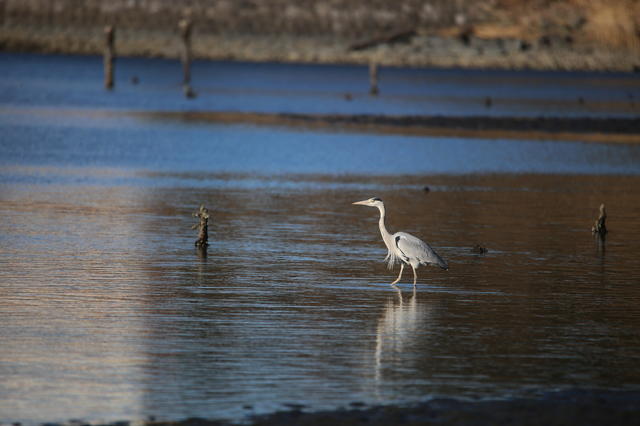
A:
[109, 312]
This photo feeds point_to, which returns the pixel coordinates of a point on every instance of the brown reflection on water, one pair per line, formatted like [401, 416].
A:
[106, 296]
[70, 335]
[510, 314]
[480, 130]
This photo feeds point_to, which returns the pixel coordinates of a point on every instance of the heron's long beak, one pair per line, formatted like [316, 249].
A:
[362, 202]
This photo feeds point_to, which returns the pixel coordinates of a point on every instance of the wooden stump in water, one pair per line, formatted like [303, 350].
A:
[185, 55]
[599, 228]
[203, 233]
[373, 78]
[109, 56]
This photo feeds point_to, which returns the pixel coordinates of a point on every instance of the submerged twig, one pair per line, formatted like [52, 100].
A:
[203, 234]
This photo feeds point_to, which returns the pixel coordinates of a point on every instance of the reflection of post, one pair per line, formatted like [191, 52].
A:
[373, 78]
[203, 234]
[599, 240]
[202, 255]
[109, 56]
[185, 54]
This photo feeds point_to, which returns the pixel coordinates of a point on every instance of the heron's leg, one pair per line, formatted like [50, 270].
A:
[401, 268]
[415, 276]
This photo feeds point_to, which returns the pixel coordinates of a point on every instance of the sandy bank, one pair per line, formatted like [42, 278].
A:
[604, 130]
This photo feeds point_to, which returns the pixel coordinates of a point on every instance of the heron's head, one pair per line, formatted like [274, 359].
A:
[372, 202]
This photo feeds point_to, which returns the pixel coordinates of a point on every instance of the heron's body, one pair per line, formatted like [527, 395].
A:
[404, 248]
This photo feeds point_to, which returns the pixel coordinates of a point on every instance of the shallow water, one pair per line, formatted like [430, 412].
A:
[109, 312]
[69, 82]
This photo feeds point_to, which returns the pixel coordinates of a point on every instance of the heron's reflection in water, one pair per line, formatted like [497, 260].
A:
[400, 334]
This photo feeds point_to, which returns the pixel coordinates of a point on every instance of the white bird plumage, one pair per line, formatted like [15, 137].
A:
[403, 247]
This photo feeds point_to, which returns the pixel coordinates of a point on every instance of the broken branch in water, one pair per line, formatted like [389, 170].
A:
[599, 227]
[203, 234]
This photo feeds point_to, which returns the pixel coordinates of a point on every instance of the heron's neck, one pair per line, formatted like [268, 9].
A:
[386, 236]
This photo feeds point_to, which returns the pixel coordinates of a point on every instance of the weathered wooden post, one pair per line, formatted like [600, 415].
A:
[185, 54]
[373, 78]
[109, 56]
[203, 233]
[599, 228]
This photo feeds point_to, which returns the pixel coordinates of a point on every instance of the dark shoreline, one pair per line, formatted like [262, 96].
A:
[586, 129]
[570, 407]
[544, 124]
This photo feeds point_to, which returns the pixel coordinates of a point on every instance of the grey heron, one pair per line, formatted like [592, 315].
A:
[403, 247]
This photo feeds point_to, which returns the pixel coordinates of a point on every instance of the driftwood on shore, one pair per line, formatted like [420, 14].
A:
[202, 226]
[393, 37]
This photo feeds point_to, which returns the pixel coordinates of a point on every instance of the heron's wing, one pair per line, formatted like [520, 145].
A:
[417, 250]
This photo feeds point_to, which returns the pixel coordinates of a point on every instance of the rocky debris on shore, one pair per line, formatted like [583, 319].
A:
[515, 34]
[419, 50]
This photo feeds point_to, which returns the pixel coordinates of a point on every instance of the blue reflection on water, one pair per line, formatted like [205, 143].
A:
[275, 150]
[71, 81]
[55, 112]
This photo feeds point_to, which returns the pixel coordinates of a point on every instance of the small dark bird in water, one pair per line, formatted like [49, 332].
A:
[426, 189]
[581, 100]
[478, 249]
[134, 79]
[488, 102]
[348, 96]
